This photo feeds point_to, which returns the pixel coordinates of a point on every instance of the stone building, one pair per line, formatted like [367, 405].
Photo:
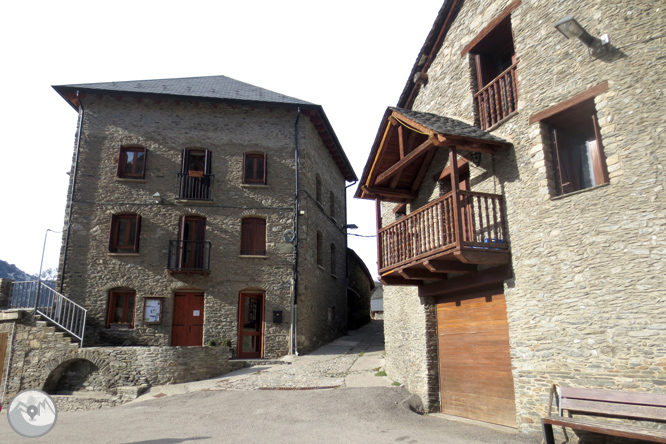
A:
[182, 227]
[519, 184]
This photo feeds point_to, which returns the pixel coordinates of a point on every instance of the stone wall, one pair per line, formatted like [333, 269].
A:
[359, 287]
[586, 304]
[165, 128]
[5, 292]
[44, 359]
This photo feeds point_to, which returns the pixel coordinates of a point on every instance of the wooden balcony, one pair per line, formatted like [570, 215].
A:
[442, 237]
[498, 99]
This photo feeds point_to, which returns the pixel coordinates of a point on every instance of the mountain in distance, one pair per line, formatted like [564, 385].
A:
[11, 271]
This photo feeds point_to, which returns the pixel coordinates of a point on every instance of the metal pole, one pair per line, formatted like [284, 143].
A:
[41, 264]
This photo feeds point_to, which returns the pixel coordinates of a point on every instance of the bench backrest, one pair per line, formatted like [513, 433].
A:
[613, 403]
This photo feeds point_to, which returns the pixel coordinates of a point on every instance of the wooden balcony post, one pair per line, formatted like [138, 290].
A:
[380, 240]
[455, 187]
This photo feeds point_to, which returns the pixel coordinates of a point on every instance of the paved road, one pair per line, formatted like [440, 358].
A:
[330, 396]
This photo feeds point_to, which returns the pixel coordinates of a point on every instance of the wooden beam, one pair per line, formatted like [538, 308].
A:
[463, 165]
[483, 257]
[424, 167]
[397, 280]
[387, 192]
[573, 101]
[468, 282]
[448, 267]
[417, 273]
[409, 158]
[489, 27]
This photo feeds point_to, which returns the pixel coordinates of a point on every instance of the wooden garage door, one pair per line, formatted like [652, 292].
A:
[475, 365]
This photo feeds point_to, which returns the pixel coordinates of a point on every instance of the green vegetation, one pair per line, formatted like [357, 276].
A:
[382, 373]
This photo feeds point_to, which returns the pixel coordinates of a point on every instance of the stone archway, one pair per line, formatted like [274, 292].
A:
[77, 373]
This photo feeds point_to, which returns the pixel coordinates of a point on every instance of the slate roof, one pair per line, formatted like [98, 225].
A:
[211, 87]
[446, 125]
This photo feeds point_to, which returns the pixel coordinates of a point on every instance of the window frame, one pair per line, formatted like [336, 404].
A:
[334, 261]
[122, 162]
[131, 246]
[253, 236]
[114, 294]
[582, 101]
[320, 248]
[255, 179]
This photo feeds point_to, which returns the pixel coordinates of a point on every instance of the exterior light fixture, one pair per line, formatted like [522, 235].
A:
[476, 158]
[157, 197]
[570, 28]
[351, 226]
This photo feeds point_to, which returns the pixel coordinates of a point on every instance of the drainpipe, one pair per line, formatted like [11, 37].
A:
[71, 195]
[294, 293]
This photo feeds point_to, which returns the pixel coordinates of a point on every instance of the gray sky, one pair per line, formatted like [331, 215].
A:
[351, 57]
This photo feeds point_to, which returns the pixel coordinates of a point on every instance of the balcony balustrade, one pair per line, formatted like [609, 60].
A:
[476, 226]
[189, 257]
[498, 99]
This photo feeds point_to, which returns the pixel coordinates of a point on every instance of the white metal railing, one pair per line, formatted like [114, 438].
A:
[50, 304]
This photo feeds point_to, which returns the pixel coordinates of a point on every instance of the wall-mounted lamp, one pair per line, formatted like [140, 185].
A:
[570, 28]
[476, 158]
[157, 197]
[352, 226]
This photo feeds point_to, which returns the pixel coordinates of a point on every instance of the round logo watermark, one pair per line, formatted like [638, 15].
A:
[32, 413]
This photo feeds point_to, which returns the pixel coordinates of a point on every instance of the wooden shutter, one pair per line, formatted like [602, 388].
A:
[113, 233]
[208, 164]
[253, 236]
[121, 162]
[3, 353]
[137, 233]
[598, 156]
[145, 163]
[184, 161]
[562, 162]
[265, 168]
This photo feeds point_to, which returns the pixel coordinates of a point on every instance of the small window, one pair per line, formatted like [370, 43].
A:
[333, 261]
[320, 247]
[254, 168]
[253, 236]
[577, 152]
[331, 198]
[121, 308]
[132, 162]
[318, 188]
[125, 230]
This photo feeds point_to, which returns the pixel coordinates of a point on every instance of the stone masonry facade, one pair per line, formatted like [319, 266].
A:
[586, 305]
[165, 127]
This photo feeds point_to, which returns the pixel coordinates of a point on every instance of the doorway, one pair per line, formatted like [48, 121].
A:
[188, 319]
[251, 325]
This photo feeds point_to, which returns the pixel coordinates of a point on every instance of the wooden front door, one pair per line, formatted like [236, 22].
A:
[251, 325]
[474, 361]
[188, 319]
[3, 353]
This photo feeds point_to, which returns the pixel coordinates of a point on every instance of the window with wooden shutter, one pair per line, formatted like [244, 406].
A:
[120, 312]
[576, 147]
[254, 168]
[132, 162]
[125, 233]
[318, 188]
[253, 236]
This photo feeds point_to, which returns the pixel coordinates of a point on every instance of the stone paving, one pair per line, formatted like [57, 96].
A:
[350, 361]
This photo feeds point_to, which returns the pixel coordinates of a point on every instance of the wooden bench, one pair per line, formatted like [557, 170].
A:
[609, 404]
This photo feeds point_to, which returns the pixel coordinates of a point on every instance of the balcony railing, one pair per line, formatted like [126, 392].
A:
[498, 99]
[195, 187]
[189, 256]
[51, 305]
[431, 230]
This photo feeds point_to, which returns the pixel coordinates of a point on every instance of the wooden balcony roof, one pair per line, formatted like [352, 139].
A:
[405, 145]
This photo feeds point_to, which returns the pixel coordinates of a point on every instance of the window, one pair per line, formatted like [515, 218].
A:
[320, 247]
[331, 198]
[195, 175]
[125, 233]
[333, 261]
[121, 308]
[576, 148]
[254, 168]
[132, 162]
[495, 68]
[318, 188]
[253, 236]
